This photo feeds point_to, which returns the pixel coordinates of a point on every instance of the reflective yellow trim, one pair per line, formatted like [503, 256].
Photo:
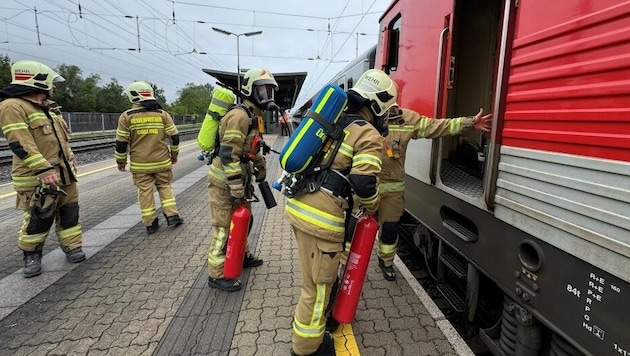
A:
[392, 187]
[69, 232]
[315, 216]
[422, 127]
[386, 248]
[217, 173]
[366, 159]
[122, 133]
[145, 166]
[316, 327]
[14, 127]
[400, 128]
[237, 134]
[346, 150]
[34, 160]
[168, 202]
[215, 255]
[25, 181]
[148, 211]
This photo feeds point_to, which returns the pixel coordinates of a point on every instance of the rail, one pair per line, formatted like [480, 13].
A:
[85, 142]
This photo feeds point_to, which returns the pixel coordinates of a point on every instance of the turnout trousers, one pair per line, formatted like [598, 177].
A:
[145, 183]
[390, 211]
[221, 209]
[67, 224]
[319, 261]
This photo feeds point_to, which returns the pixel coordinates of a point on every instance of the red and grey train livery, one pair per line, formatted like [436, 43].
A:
[530, 222]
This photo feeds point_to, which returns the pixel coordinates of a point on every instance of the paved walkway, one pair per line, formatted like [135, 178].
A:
[148, 295]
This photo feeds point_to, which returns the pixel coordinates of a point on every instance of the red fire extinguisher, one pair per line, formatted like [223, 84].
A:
[353, 276]
[235, 252]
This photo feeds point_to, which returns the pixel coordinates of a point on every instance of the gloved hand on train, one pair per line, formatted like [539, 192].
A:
[237, 191]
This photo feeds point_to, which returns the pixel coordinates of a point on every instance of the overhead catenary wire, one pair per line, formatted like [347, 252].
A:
[168, 33]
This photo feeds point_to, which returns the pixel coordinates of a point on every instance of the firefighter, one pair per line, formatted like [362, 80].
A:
[238, 159]
[319, 218]
[405, 125]
[43, 172]
[144, 128]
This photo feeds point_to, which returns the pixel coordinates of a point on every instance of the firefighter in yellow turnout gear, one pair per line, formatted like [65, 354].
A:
[43, 171]
[405, 125]
[238, 158]
[142, 133]
[319, 218]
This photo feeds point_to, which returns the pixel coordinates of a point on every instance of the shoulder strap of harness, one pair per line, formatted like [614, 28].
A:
[217, 141]
[333, 143]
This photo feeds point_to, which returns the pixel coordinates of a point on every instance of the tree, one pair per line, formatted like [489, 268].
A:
[192, 99]
[159, 95]
[111, 98]
[5, 71]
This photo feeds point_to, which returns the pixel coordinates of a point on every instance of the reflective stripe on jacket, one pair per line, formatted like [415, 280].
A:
[413, 126]
[39, 145]
[146, 132]
[322, 214]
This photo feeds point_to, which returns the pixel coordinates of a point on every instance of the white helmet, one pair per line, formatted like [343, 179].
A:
[260, 85]
[33, 74]
[139, 91]
[378, 88]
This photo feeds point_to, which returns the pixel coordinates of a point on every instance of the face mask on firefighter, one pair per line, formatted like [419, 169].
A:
[394, 113]
[264, 93]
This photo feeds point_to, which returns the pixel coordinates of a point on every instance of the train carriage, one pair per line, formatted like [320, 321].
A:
[527, 230]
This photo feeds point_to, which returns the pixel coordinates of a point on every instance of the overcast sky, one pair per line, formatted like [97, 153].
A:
[96, 35]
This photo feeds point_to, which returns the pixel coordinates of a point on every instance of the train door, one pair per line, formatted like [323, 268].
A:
[467, 82]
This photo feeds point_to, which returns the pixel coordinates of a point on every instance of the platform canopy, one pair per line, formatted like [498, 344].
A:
[289, 84]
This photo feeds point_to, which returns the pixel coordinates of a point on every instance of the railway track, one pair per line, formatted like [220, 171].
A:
[415, 261]
[92, 142]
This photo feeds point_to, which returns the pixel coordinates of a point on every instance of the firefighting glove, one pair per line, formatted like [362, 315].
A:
[237, 191]
[44, 201]
[261, 174]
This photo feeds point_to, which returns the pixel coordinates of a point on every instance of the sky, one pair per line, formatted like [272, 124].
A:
[168, 42]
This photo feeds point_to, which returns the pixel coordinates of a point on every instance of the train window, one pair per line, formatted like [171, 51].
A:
[350, 83]
[394, 41]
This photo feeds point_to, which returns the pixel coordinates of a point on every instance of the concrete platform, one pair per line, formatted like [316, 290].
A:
[148, 295]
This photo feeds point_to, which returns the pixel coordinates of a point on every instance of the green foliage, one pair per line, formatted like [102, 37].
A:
[5, 71]
[85, 94]
[111, 98]
[192, 99]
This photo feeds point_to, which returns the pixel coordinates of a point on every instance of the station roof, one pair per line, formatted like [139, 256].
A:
[289, 84]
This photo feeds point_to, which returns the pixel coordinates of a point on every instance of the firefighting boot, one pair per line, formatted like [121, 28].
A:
[33, 262]
[226, 285]
[75, 255]
[388, 271]
[326, 348]
[153, 228]
[174, 220]
[251, 261]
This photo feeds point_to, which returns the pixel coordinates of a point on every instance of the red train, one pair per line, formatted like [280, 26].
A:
[526, 230]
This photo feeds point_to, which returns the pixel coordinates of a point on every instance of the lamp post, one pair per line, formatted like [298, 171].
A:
[356, 47]
[238, 54]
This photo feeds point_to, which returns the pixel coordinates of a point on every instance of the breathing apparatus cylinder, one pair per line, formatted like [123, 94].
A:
[356, 267]
[237, 239]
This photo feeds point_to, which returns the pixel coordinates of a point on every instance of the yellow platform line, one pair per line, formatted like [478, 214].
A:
[345, 343]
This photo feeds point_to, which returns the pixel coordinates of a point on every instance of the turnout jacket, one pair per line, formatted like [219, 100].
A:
[145, 132]
[359, 158]
[237, 133]
[40, 143]
[411, 125]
